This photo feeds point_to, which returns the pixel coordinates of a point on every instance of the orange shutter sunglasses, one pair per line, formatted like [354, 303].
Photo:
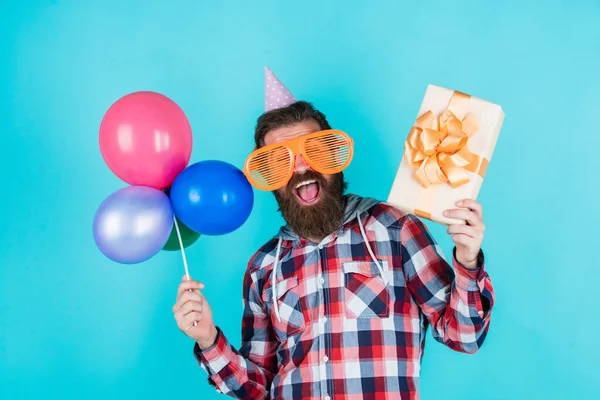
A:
[271, 167]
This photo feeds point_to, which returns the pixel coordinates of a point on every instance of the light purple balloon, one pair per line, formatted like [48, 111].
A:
[133, 224]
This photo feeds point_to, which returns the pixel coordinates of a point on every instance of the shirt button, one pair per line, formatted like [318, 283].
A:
[320, 246]
[325, 359]
[322, 280]
[480, 312]
[324, 319]
[327, 398]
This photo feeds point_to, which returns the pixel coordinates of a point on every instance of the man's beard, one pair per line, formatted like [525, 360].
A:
[318, 220]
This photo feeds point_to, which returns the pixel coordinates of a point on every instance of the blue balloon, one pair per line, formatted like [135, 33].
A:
[133, 224]
[212, 197]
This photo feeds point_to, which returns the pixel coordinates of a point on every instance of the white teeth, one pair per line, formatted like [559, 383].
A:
[304, 183]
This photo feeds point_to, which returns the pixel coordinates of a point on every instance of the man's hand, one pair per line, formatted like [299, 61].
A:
[467, 237]
[190, 307]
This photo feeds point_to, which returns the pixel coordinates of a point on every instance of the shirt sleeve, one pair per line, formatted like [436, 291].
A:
[246, 373]
[457, 302]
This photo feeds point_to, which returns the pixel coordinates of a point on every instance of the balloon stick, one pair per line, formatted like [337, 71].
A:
[185, 265]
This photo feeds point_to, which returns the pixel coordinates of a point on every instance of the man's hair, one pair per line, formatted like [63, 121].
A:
[295, 113]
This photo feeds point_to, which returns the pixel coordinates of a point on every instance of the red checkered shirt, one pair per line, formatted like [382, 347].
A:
[342, 329]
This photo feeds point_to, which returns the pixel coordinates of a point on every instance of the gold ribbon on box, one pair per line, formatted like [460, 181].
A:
[437, 146]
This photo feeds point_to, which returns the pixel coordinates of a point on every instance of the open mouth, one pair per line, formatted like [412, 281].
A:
[308, 192]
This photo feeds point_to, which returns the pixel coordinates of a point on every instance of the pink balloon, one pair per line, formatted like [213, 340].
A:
[146, 139]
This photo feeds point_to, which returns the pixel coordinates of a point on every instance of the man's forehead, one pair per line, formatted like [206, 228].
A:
[291, 132]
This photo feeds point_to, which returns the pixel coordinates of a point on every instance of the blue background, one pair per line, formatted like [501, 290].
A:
[75, 325]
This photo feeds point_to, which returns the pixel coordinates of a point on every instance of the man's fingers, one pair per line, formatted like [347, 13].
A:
[187, 297]
[189, 285]
[472, 205]
[466, 215]
[464, 229]
[190, 306]
[187, 322]
[466, 241]
[460, 239]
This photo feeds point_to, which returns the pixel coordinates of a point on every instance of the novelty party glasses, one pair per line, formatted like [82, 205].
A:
[272, 166]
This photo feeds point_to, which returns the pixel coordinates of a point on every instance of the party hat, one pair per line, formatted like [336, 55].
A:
[276, 95]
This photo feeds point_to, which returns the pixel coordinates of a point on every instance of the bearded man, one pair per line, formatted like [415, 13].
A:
[337, 304]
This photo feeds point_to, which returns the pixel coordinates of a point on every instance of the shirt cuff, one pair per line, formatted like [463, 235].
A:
[467, 278]
[216, 357]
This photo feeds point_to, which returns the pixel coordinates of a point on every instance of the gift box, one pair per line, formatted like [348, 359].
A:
[446, 153]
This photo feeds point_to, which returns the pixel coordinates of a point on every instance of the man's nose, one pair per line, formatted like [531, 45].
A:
[300, 165]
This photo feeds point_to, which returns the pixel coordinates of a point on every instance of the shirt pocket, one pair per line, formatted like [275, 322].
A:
[291, 316]
[365, 293]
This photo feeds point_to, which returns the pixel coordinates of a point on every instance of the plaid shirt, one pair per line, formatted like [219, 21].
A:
[342, 333]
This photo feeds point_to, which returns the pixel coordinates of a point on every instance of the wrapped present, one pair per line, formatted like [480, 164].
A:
[446, 154]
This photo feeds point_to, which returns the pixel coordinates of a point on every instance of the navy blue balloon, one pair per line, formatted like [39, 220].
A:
[212, 197]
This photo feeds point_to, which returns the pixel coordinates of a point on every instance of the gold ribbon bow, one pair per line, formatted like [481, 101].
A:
[437, 147]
